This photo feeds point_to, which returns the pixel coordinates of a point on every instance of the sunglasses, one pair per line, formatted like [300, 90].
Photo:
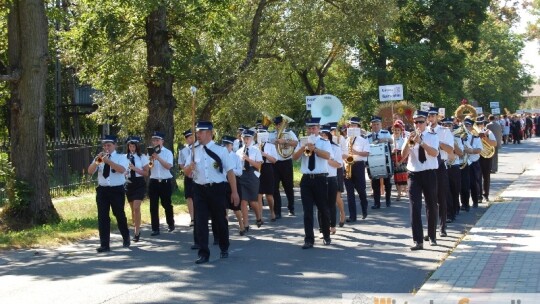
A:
[419, 122]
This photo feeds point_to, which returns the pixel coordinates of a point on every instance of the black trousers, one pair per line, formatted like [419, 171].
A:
[111, 198]
[314, 192]
[332, 195]
[454, 189]
[376, 186]
[209, 201]
[485, 176]
[422, 183]
[358, 182]
[160, 191]
[475, 182]
[442, 194]
[465, 192]
[283, 172]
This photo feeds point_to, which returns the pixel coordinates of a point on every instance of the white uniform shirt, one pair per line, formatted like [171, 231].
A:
[270, 149]
[236, 163]
[206, 169]
[459, 143]
[272, 139]
[359, 144]
[398, 142]
[321, 164]
[140, 162]
[446, 137]
[157, 171]
[371, 137]
[335, 155]
[253, 153]
[413, 163]
[184, 154]
[237, 144]
[474, 143]
[115, 178]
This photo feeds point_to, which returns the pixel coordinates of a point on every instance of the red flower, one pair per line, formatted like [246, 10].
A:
[464, 101]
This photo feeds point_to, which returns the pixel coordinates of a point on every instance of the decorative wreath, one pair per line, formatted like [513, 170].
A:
[465, 110]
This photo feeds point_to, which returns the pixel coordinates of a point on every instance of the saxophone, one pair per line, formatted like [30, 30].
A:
[349, 161]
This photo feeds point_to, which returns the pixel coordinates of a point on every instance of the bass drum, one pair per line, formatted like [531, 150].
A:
[379, 162]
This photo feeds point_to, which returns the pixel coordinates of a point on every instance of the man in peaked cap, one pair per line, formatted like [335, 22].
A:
[283, 167]
[314, 157]
[377, 136]
[485, 163]
[110, 192]
[211, 168]
[160, 186]
[421, 148]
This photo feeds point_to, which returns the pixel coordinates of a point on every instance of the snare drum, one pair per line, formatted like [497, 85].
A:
[379, 162]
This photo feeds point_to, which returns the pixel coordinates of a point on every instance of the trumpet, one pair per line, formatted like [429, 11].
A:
[307, 152]
[99, 158]
[150, 151]
[412, 136]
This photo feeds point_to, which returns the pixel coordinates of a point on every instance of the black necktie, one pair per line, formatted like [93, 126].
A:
[239, 144]
[132, 160]
[421, 153]
[106, 170]
[215, 158]
[262, 150]
[246, 163]
[311, 162]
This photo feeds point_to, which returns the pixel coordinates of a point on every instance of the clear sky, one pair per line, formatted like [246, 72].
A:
[531, 52]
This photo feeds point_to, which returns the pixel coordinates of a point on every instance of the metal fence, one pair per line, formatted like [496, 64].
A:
[68, 160]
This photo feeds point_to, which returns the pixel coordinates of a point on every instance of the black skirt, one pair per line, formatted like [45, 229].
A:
[230, 205]
[188, 187]
[266, 180]
[249, 185]
[136, 189]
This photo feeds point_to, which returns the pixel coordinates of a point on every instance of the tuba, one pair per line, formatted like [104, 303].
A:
[461, 132]
[487, 150]
[284, 150]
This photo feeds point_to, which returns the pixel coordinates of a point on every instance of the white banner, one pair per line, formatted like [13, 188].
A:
[496, 111]
[494, 104]
[479, 110]
[391, 92]
[424, 106]
[442, 112]
[309, 101]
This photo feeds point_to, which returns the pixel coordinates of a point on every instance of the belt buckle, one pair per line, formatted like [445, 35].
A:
[159, 180]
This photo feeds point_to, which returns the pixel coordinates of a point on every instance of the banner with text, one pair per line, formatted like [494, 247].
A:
[391, 92]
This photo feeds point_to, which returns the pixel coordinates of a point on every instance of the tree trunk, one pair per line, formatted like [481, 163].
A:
[161, 102]
[28, 53]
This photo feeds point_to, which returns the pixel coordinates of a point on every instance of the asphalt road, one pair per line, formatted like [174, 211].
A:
[266, 266]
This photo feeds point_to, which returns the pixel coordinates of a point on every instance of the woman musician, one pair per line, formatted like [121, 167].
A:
[400, 164]
[136, 185]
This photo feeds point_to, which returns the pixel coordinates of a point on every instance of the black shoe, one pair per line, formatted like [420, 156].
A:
[136, 237]
[171, 228]
[426, 238]
[341, 224]
[273, 220]
[202, 260]
[307, 245]
[278, 216]
[487, 198]
[364, 216]
[388, 204]
[327, 241]
[291, 213]
[433, 243]
[246, 229]
[443, 234]
[449, 220]
[242, 232]
[195, 247]
[224, 255]
[375, 207]
[154, 233]
[103, 249]
[417, 246]
[350, 220]
[259, 223]
[192, 223]
[126, 243]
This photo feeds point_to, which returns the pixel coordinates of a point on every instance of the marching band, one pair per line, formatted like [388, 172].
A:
[443, 162]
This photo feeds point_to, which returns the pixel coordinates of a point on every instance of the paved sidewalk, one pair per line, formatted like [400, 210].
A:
[501, 254]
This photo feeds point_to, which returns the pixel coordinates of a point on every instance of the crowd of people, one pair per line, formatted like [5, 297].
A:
[240, 172]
